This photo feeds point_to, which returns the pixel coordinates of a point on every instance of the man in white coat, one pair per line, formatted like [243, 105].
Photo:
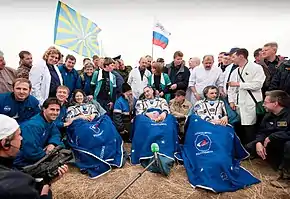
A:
[138, 77]
[248, 77]
[203, 76]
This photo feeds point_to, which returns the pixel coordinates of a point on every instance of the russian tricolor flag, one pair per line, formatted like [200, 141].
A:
[160, 35]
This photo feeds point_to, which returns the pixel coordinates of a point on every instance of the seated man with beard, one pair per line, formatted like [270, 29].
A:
[154, 124]
[123, 111]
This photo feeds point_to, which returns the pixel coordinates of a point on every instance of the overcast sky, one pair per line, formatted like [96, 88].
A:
[197, 27]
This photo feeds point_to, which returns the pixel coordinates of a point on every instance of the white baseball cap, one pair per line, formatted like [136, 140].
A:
[8, 126]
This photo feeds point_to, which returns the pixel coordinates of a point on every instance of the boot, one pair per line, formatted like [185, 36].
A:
[283, 182]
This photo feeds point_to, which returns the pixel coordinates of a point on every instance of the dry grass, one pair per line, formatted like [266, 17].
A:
[77, 186]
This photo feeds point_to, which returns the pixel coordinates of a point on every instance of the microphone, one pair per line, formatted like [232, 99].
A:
[15, 147]
[155, 150]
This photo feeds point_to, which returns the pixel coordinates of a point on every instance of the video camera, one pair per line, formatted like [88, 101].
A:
[47, 167]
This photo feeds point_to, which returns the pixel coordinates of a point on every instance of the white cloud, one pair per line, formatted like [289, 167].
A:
[196, 28]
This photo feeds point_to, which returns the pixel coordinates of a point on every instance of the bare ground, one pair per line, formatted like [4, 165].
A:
[78, 186]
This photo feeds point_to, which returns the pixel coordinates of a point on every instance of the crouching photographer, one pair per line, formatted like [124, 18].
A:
[16, 184]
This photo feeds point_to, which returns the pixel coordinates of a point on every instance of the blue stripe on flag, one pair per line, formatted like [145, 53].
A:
[160, 37]
[75, 32]
[56, 20]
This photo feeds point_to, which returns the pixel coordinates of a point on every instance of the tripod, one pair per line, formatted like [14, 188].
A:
[132, 181]
[155, 150]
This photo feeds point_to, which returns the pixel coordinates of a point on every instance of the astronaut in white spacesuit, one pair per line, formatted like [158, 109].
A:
[211, 109]
[155, 108]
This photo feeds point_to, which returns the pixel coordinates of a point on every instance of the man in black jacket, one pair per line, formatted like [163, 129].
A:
[178, 74]
[15, 184]
[281, 79]
[272, 141]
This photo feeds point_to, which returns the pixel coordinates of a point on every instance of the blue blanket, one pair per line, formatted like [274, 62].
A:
[233, 116]
[212, 155]
[165, 134]
[97, 145]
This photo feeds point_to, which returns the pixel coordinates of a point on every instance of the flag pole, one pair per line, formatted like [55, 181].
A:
[152, 50]
[152, 45]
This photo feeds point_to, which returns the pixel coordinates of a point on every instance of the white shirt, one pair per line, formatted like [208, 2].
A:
[226, 77]
[136, 83]
[201, 78]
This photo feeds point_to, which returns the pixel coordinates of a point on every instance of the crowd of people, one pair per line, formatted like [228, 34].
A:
[39, 101]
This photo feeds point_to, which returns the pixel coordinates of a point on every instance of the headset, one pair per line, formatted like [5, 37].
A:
[7, 143]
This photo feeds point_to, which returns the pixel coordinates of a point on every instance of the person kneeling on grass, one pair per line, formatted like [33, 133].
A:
[15, 184]
[272, 141]
[40, 134]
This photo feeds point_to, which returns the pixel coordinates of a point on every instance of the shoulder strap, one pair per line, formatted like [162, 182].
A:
[250, 92]
[229, 77]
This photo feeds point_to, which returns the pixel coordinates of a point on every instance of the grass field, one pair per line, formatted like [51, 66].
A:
[78, 186]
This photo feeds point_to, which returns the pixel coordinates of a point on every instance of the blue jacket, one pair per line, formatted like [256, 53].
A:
[86, 83]
[122, 115]
[71, 79]
[37, 133]
[59, 122]
[21, 111]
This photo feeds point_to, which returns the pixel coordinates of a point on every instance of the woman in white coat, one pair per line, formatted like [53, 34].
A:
[239, 97]
[45, 76]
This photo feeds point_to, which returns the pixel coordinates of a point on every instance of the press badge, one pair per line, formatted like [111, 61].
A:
[281, 123]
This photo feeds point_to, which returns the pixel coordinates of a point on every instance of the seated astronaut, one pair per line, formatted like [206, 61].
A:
[211, 109]
[153, 107]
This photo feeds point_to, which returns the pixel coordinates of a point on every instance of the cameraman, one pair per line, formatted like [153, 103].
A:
[15, 184]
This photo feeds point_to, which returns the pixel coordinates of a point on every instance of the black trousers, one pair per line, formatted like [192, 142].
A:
[104, 104]
[246, 133]
[278, 153]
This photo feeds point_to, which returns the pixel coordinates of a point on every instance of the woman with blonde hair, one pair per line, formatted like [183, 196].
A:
[45, 75]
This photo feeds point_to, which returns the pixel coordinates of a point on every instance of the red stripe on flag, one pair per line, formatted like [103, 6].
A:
[157, 42]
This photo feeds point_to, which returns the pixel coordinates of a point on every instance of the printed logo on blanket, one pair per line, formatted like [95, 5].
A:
[203, 143]
[97, 131]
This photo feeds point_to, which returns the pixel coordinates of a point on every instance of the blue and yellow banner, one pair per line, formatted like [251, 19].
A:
[75, 32]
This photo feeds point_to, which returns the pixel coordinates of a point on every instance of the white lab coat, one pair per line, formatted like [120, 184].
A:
[189, 95]
[40, 79]
[134, 80]
[226, 77]
[254, 78]
[201, 78]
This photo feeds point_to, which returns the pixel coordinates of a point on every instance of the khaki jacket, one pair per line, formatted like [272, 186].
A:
[7, 76]
[179, 110]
